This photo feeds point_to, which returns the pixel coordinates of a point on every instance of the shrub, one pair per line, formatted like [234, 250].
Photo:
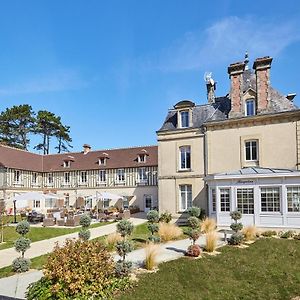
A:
[85, 221]
[297, 236]
[112, 239]
[165, 217]
[123, 268]
[168, 231]
[154, 239]
[23, 228]
[78, 270]
[236, 226]
[22, 244]
[236, 215]
[21, 264]
[151, 252]
[269, 233]
[123, 248]
[193, 251]
[208, 225]
[194, 211]
[236, 238]
[84, 234]
[153, 216]
[193, 234]
[125, 228]
[211, 241]
[193, 222]
[250, 233]
[153, 227]
[287, 234]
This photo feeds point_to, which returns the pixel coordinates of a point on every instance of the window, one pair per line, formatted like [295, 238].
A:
[50, 203]
[34, 178]
[88, 204]
[185, 158]
[106, 203]
[67, 200]
[102, 176]
[67, 164]
[36, 203]
[185, 197]
[120, 175]
[245, 200]
[17, 176]
[83, 177]
[125, 202]
[102, 161]
[50, 178]
[67, 177]
[270, 199]
[293, 199]
[250, 107]
[214, 200]
[251, 148]
[184, 119]
[225, 200]
[142, 175]
[142, 158]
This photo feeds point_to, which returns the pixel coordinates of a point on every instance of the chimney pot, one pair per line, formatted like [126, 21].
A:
[86, 148]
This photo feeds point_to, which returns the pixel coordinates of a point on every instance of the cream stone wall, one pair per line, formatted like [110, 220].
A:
[277, 146]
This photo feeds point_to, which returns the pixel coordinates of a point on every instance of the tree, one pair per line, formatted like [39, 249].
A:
[63, 138]
[47, 125]
[16, 123]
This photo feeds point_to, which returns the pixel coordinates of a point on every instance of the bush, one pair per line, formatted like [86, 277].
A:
[125, 228]
[153, 227]
[154, 239]
[84, 234]
[236, 226]
[193, 222]
[208, 225]
[297, 236]
[123, 268]
[22, 244]
[194, 234]
[269, 233]
[250, 233]
[168, 232]
[194, 211]
[112, 239]
[236, 215]
[287, 234]
[23, 228]
[165, 217]
[211, 241]
[85, 221]
[153, 216]
[151, 252]
[78, 270]
[193, 251]
[236, 238]
[21, 264]
[123, 248]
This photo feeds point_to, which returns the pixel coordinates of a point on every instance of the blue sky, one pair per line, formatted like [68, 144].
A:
[111, 69]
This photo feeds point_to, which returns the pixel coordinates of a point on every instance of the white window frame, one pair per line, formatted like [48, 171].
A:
[67, 201]
[102, 161]
[17, 176]
[50, 178]
[83, 176]
[142, 158]
[120, 176]
[67, 164]
[181, 118]
[36, 204]
[142, 175]
[225, 208]
[34, 178]
[277, 187]
[296, 203]
[102, 175]
[252, 100]
[251, 150]
[185, 191]
[67, 176]
[184, 158]
[245, 201]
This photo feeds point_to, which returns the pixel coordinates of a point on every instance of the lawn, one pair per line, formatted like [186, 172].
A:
[267, 269]
[39, 233]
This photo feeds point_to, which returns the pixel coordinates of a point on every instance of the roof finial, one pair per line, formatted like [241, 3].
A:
[246, 61]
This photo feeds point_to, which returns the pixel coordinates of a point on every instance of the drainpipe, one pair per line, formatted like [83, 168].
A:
[205, 160]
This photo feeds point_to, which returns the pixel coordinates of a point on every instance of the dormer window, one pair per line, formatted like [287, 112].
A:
[67, 164]
[142, 158]
[184, 119]
[102, 161]
[250, 107]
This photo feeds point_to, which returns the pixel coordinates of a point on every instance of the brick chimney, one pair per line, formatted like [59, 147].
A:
[262, 68]
[86, 148]
[235, 72]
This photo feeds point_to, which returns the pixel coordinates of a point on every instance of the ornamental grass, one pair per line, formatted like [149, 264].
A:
[208, 225]
[250, 233]
[211, 241]
[112, 239]
[168, 232]
[151, 251]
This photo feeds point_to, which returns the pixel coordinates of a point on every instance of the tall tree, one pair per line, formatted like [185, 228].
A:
[63, 138]
[47, 124]
[16, 123]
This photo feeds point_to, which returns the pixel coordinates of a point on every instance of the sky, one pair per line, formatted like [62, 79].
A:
[112, 69]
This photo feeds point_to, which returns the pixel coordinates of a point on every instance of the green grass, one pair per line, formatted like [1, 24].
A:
[268, 269]
[39, 233]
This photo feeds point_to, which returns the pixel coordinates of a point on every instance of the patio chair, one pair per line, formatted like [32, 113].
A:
[126, 214]
[48, 222]
[102, 217]
[60, 222]
[73, 221]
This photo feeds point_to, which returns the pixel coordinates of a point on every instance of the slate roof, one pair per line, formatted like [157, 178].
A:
[116, 158]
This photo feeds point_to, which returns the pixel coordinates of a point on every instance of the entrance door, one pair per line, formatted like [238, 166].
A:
[148, 203]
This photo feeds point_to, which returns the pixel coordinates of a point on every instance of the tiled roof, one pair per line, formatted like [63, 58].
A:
[116, 158]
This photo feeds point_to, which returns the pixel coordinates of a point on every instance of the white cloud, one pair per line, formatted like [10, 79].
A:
[60, 80]
[225, 41]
